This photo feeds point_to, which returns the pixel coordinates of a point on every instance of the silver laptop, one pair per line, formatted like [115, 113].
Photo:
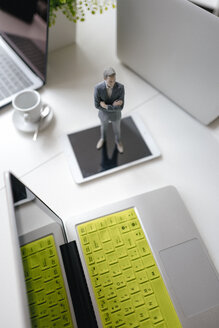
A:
[23, 46]
[173, 45]
[136, 263]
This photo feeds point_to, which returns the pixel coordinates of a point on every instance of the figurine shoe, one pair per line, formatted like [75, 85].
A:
[119, 146]
[100, 143]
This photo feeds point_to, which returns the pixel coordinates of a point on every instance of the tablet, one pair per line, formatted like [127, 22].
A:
[87, 163]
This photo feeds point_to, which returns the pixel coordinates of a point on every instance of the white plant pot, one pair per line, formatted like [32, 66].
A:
[62, 34]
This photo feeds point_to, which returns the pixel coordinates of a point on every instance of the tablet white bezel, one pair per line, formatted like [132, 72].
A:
[74, 165]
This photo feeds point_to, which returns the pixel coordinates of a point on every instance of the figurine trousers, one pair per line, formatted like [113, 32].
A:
[116, 129]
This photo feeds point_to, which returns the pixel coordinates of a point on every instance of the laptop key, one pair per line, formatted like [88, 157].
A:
[127, 307]
[156, 315]
[151, 302]
[106, 280]
[114, 306]
[153, 273]
[131, 321]
[141, 313]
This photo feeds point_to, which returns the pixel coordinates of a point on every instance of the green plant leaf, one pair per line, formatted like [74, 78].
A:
[75, 10]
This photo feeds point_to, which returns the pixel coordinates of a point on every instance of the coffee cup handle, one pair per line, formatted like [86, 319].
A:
[26, 116]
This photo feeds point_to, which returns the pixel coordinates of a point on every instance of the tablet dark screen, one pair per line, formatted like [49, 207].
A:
[93, 161]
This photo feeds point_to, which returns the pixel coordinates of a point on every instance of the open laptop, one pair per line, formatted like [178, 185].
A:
[173, 45]
[135, 263]
[23, 46]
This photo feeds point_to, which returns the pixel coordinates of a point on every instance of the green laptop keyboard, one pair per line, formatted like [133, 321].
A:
[45, 286]
[127, 284]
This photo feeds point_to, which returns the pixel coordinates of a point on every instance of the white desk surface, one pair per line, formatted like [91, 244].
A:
[190, 151]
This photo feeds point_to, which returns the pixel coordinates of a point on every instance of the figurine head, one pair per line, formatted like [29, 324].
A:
[109, 76]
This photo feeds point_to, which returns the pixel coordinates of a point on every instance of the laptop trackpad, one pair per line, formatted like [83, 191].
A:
[192, 277]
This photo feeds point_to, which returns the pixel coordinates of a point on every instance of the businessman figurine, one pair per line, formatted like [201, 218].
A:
[109, 99]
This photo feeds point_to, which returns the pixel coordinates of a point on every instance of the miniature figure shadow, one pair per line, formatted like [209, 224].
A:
[93, 161]
[106, 161]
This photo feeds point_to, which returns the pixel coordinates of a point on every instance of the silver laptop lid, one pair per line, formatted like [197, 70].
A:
[173, 45]
[25, 29]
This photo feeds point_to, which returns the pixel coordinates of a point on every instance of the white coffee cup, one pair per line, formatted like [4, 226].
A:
[28, 104]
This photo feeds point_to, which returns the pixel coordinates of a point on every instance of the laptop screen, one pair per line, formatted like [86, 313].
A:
[30, 212]
[24, 26]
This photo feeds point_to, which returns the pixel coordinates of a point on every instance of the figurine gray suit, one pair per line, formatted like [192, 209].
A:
[109, 99]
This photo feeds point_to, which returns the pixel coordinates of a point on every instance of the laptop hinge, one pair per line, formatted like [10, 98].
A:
[80, 296]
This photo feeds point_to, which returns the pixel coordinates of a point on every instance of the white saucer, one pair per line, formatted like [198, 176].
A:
[25, 126]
